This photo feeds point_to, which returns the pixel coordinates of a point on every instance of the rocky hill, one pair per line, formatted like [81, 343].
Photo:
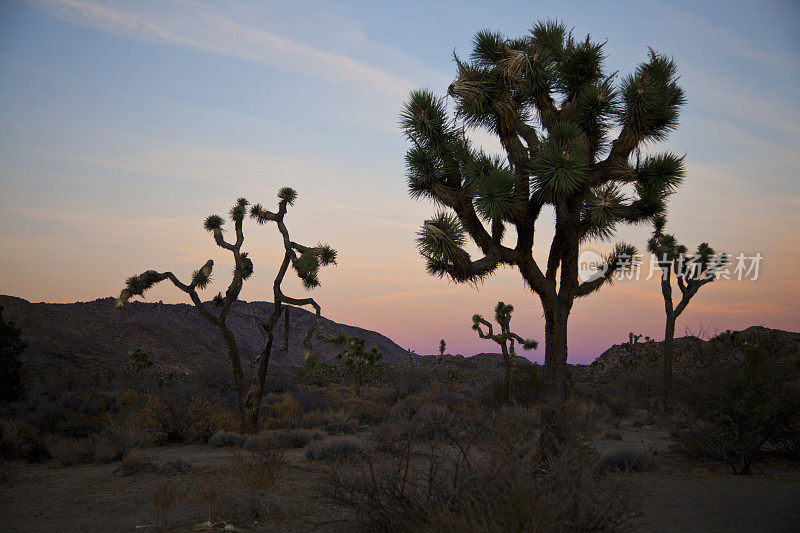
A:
[174, 335]
[692, 353]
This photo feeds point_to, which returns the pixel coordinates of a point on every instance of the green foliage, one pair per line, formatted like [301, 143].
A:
[139, 359]
[288, 195]
[11, 347]
[200, 279]
[213, 222]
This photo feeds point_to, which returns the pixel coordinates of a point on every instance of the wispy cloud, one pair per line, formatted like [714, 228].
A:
[201, 27]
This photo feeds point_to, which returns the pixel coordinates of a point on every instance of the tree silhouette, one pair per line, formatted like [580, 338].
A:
[11, 347]
[691, 273]
[554, 109]
[217, 311]
[506, 339]
[355, 358]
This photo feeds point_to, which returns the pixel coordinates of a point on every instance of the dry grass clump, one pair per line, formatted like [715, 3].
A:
[19, 440]
[244, 488]
[290, 438]
[222, 439]
[627, 461]
[339, 422]
[336, 448]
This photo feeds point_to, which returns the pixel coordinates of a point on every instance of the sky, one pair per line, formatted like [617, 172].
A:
[124, 124]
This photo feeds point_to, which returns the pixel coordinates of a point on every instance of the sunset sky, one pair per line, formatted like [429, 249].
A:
[123, 124]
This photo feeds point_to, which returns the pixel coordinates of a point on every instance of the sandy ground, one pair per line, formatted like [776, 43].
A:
[93, 497]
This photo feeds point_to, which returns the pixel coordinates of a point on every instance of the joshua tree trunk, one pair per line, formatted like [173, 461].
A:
[555, 357]
[668, 352]
[236, 365]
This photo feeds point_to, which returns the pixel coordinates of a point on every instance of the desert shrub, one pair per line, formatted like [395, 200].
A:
[732, 412]
[19, 440]
[335, 448]
[134, 463]
[612, 435]
[618, 404]
[222, 439]
[291, 438]
[458, 488]
[524, 386]
[627, 461]
[171, 419]
[280, 413]
[166, 496]
[370, 412]
[113, 442]
[339, 422]
[69, 452]
[156, 421]
[244, 487]
[432, 421]
[77, 429]
[175, 466]
[389, 436]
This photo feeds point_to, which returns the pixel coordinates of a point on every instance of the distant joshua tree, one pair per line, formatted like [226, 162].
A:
[691, 273]
[11, 347]
[442, 348]
[505, 338]
[572, 138]
[356, 359]
[306, 266]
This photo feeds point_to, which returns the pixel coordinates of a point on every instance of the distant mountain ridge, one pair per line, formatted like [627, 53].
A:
[174, 335]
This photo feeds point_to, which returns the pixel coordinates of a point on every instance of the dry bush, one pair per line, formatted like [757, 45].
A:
[731, 413]
[166, 496]
[282, 411]
[290, 438]
[500, 487]
[336, 448]
[19, 440]
[612, 435]
[339, 422]
[164, 420]
[222, 439]
[70, 452]
[627, 461]
[134, 463]
[244, 488]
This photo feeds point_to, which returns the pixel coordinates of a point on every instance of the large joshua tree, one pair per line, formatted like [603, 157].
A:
[218, 310]
[505, 338]
[691, 273]
[554, 109]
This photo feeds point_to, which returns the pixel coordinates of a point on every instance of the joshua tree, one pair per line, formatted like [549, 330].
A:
[11, 347]
[442, 348]
[248, 398]
[691, 272]
[354, 356]
[554, 109]
[506, 339]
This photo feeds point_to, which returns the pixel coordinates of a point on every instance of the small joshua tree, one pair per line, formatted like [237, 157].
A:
[691, 273]
[355, 358]
[505, 338]
[248, 398]
[11, 347]
[572, 134]
[442, 348]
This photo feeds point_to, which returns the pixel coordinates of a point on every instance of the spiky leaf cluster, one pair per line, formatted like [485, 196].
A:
[200, 279]
[287, 194]
[247, 265]
[213, 222]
